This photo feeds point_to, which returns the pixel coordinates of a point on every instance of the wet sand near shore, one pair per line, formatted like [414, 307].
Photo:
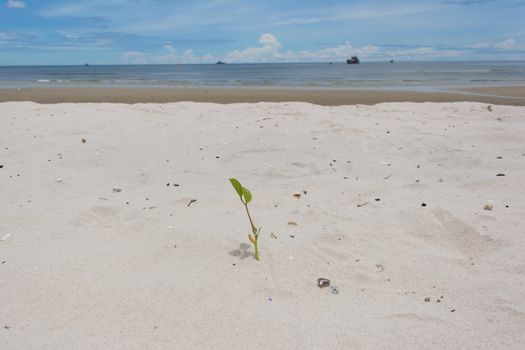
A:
[326, 97]
[507, 91]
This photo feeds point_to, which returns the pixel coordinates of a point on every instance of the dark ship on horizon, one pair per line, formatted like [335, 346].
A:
[353, 60]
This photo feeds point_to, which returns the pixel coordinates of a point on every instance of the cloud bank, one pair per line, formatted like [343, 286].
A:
[15, 4]
[270, 50]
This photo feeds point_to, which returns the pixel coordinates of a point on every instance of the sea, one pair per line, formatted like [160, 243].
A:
[425, 76]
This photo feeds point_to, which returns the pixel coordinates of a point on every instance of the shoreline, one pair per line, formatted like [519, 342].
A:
[511, 95]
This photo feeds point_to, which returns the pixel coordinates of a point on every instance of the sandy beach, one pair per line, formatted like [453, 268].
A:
[514, 95]
[120, 230]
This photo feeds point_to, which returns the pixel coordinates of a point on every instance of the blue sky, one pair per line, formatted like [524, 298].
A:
[194, 31]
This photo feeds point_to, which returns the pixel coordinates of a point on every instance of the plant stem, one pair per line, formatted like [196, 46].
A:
[256, 249]
[255, 232]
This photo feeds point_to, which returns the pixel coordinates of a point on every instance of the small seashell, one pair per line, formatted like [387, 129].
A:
[488, 207]
[323, 282]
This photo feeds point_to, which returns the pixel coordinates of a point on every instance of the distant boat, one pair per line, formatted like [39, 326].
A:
[391, 61]
[85, 64]
[220, 62]
[353, 60]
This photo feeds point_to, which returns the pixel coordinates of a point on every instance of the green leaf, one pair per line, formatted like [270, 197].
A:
[247, 195]
[237, 185]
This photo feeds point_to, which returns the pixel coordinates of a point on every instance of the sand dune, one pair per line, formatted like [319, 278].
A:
[391, 211]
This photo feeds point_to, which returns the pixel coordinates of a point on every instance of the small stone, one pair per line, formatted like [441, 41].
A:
[377, 199]
[292, 223]
[423, 204]
[453, 310]
[488, 207]
[297, 195]
[323, 282]
[427, 300]
[84, 141]
[501, 174]
[117, 189]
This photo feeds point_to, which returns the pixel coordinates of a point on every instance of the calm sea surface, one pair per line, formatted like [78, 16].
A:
[399, 75]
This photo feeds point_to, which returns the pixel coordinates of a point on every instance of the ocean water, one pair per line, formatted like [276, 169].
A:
[398, 75]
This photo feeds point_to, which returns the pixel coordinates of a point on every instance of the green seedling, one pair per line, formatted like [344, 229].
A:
[246, 196]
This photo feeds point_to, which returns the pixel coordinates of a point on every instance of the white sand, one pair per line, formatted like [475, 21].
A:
[85, 270]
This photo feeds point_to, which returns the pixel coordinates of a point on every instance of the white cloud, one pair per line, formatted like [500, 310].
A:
[186, 56]
[508, 44]
[270, 51]
[15, 4]
[134, 57]
[170, 57]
